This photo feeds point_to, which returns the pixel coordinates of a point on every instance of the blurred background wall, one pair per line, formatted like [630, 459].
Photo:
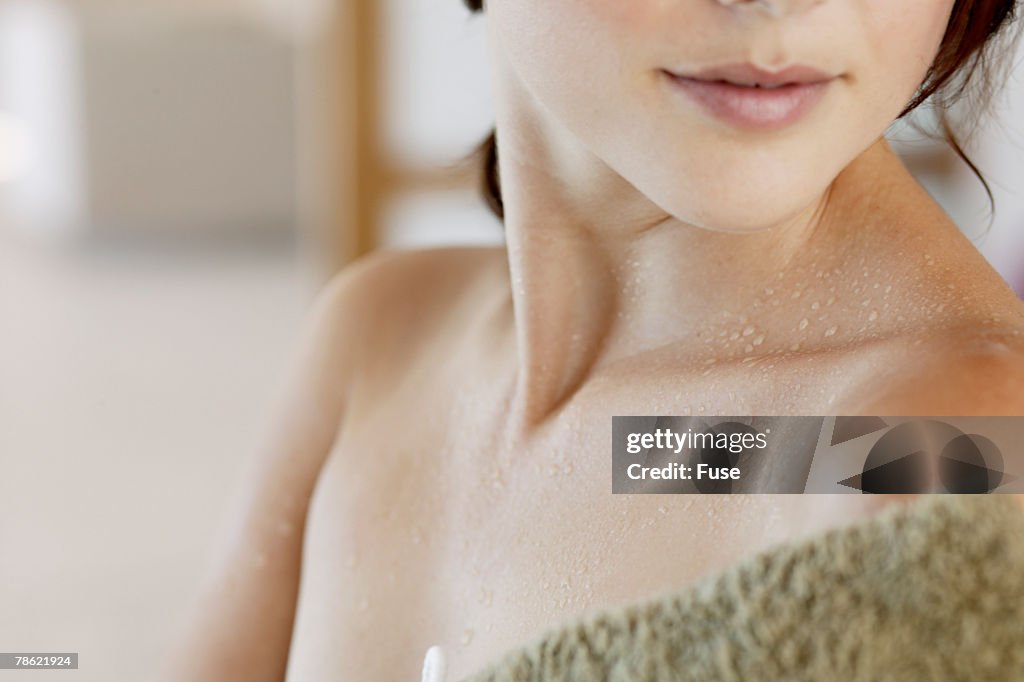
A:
[176, 180]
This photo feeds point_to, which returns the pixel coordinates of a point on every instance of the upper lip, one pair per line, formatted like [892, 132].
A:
[748, 74]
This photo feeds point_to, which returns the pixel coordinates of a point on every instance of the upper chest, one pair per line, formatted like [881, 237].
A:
[482, 557]
[430, 525]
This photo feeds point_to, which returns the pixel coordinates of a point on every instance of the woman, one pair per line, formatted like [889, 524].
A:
[676, 245]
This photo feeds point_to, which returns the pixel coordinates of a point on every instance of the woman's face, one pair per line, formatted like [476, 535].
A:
[604, 70]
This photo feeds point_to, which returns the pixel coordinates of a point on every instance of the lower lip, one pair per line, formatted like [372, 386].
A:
[753, 108]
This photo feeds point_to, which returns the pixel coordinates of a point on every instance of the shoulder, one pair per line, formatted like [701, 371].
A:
[386, 284]
[390, 296]
[968, 370]
[393, 274]
[362, 319]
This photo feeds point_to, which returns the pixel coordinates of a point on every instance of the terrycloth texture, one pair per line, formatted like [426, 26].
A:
[930, 590]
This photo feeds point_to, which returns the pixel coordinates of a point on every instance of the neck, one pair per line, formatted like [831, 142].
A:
[599, 273]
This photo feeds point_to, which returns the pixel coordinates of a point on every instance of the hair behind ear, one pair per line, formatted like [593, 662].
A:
[487, 154]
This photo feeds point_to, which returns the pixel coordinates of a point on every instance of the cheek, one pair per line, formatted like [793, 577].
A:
[904, 39]
[576, 57]
[572, 40]
[637, 14]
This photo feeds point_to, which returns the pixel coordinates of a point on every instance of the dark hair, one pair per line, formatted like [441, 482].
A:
[963, 66]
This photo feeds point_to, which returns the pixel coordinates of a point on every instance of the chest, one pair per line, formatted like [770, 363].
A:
[478, 546]
[432, 526]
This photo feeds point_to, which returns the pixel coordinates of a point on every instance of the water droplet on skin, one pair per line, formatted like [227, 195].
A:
[748, 331]
[795, 347]
[803, 324]
[796, 294]
[734, 336]
[873, 316]
[888, 289]
[831, 331]
[815, 305]
[831, 300]
[866, 302]
[758, 340]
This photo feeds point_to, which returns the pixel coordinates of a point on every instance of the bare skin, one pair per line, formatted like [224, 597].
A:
[442, 515]
[441, 473]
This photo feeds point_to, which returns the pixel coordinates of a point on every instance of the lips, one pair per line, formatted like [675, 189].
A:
[750, 75]
[744, 96]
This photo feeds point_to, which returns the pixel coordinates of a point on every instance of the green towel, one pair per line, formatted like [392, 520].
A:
[929, 590]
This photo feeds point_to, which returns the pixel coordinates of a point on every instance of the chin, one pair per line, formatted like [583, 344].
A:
[741, 214]
[752, 192]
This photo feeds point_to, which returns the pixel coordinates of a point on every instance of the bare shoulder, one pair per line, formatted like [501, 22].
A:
[962, 370]
[397, 293]
[404, 277]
